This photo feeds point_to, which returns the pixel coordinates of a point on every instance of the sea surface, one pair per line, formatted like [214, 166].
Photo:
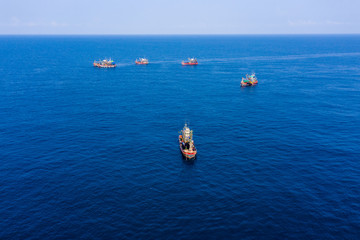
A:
[88, 153]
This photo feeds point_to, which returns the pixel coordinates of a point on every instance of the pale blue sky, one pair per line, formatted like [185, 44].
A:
[179, 17]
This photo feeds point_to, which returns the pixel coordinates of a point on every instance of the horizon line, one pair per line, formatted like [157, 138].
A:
[173, 34]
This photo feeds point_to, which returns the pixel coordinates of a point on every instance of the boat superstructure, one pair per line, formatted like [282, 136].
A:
[250, 80]
[106, 63]
[142, 61]
[186, 143]
[191, 61]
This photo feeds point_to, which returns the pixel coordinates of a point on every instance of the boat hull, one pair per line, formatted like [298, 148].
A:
[248, 84]
[186, 153]
[104, 66]
[141, 63]
[188, 64]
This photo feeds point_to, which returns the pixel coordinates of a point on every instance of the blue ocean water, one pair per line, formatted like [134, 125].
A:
[92, 153]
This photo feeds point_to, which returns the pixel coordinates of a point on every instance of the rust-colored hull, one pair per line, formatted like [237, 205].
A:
[186, 153]
[188, 64]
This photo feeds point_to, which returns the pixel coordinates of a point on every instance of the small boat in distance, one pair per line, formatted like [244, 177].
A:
[249, 80]
[106, 63]
[142, 61]
[191, 61]
[186, 143]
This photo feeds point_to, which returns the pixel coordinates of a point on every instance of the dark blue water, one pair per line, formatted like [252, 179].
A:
[93, 154]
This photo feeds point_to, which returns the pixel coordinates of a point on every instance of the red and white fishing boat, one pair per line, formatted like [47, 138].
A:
[106, 63]
[191, 61]
[142, 61]
[186, 143]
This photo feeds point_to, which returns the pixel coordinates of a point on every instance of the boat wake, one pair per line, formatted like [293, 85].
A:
[165, 61]
[280, 58]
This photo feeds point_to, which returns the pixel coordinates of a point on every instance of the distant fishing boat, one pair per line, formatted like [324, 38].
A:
[106, 63]
[142, 61]
[191, 61]
[186, 143]
[249, 80]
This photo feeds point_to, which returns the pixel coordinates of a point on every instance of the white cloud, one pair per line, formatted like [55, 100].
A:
[314, 23]
[16, 22]
[334, 23]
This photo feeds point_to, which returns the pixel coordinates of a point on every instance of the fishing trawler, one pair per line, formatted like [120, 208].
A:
[142, 61]
[106, 63]
[186, 143]
[191, 61]
[249, 80]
